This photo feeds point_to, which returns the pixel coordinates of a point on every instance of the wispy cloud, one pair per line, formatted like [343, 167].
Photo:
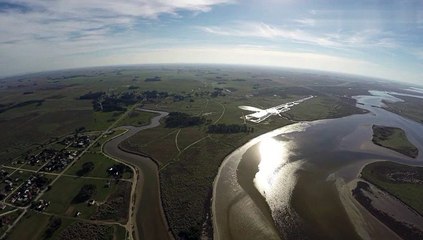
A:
[306, 21]
[24, 20]
[362, 38]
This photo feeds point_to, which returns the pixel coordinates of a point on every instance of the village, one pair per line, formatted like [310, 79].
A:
[21, 185]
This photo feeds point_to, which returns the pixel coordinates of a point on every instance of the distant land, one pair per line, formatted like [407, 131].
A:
[132, 152]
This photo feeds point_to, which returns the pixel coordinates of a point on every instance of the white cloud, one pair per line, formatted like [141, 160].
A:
[306, 21]
[64, 19]
[362, 38]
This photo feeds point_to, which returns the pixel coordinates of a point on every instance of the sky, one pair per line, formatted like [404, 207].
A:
[377, 38]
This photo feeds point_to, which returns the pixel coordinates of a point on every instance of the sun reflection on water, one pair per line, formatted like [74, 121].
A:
[273, 155]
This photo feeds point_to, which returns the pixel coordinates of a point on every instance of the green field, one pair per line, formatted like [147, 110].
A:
[191, 158]
[407, 187]
[101, 165]
[411, 108]
[34, 225]
[137, 118]
[66, 188]
[189, 162]
[394, 139]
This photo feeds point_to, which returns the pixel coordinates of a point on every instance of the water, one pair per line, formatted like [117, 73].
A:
[295, 182]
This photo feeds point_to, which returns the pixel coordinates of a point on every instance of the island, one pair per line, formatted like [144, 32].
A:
[394, 139]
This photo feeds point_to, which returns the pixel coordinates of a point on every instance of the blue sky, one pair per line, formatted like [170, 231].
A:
[380, 38]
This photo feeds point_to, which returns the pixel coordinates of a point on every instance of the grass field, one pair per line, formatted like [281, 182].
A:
[407, 186]
[190, 160]
[411, 108]
[34, 225]
[66, 188]
[137, 118]
[394, 139]
[101, 165]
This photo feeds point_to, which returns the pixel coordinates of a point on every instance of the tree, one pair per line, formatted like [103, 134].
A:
[54, 224]
[85, 193]
[85, 169]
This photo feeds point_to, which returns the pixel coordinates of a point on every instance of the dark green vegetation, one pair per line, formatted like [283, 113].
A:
[85, 169]
[402, 181]
[85, 193]
[137, 118]
[411, 108]
[229, 128]
[206, 99]
[53, 225]
[394, 139]
[116, 205]
[178, 119]
[84, 231]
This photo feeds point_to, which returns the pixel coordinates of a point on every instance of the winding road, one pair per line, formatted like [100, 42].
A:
[149, 221]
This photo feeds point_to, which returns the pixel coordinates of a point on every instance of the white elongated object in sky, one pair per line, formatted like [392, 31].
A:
[260, 115]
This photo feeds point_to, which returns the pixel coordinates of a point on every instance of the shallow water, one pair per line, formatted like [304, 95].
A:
[300, 171]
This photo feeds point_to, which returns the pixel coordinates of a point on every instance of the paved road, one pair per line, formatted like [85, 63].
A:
[149, 215]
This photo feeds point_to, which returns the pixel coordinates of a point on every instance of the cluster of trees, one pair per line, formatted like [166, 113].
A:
[54, 224]
[229, 128]
[154, 95]
[91, 95]
[85, 169]
[41, 181]
[192, 233]
[179, 119]
[217, 92]
[116, 102]
[4, 107]
[85, 193]
[108, 103]
[117, 170]
[153, 79]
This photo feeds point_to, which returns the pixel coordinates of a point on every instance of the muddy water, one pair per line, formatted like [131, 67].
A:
[149, 215]
[295, 182]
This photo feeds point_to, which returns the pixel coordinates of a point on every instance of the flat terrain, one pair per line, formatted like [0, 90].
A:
[189, 162]
[37, 110]
[411, 108]
[394, 139]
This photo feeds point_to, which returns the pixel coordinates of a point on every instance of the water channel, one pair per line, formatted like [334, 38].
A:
[295, 182]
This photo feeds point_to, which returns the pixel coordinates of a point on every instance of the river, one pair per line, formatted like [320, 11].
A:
[149, 216]
[295, 182]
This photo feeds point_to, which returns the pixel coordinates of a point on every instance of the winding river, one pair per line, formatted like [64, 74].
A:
[149, 216]
[295, 182]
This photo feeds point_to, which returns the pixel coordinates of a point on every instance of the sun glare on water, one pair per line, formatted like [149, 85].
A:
[273, 155]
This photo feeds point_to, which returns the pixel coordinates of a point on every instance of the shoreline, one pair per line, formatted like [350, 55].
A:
[237, 154]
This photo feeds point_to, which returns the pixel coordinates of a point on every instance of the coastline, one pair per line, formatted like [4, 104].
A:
[235, 158]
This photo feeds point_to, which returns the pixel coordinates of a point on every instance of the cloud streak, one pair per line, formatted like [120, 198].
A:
[67, 20]
[363, 38]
